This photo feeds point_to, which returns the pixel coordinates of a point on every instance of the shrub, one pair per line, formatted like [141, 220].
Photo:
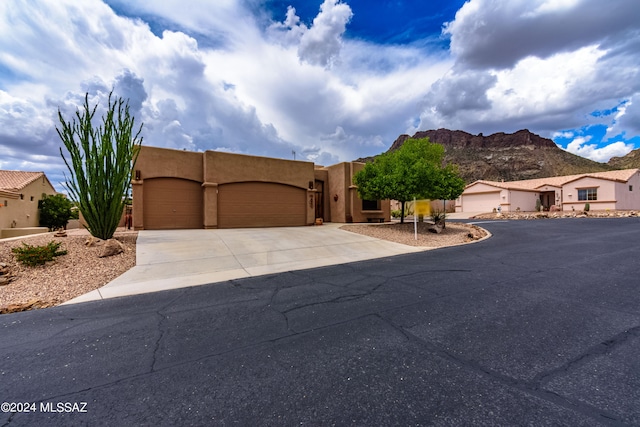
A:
[38, 255]
[586, 207]
[438, 216]
[538, 205]
[55, 211]
[395, 213]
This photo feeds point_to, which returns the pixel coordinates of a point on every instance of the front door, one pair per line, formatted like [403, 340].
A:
[319, 186]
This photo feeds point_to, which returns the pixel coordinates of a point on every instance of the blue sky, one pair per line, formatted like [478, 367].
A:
[331, 80]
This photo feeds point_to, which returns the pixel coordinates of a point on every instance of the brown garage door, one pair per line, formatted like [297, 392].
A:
[260, 204]
[171, 203]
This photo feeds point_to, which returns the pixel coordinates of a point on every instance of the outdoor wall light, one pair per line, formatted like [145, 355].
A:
[335, 197]
[137, 174]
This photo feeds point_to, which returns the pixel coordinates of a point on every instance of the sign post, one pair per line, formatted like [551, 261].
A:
[420, 207]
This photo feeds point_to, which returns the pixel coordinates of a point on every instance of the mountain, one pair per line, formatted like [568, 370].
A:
[501, 156]
[630, 161]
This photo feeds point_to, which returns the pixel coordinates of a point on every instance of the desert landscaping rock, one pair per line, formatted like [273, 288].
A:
[557, 215]
[111, 247]
[455, 233]
[69, 276]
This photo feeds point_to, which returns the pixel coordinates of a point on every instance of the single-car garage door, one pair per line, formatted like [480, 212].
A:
[260, 204]
[484, 202]
[171, 203]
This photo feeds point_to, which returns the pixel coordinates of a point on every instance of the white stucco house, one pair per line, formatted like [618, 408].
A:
[615, 190]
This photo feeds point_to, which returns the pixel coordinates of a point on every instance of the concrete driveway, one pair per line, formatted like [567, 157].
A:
[171, 259]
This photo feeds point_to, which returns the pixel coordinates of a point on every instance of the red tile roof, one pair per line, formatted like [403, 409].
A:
[14, 181]
[559, 181]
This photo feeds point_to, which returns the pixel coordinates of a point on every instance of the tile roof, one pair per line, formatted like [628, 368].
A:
[559, 181]
[14, 181]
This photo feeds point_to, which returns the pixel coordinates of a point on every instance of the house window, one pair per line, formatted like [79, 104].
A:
[5, 204]
[631, 188]
[588, 194]
[32, 198]
[371, 205]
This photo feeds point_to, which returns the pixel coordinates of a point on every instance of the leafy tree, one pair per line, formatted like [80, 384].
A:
[448, 187]
[412, 171]
[55, 211]
[101, 160]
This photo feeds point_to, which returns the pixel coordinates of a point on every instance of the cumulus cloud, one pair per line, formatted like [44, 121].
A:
[581, 147]
[497, 33]
[223, 75]
[319, 44]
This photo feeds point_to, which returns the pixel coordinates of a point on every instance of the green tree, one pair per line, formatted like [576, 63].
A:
[101, 160]
[55, 211]
[448, 186]
[412, 171]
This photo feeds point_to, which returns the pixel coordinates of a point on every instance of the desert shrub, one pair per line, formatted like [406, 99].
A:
[438, 216]
[538, 205]
[586, 207]
[38, 255]
[395, 213]
[55, 211]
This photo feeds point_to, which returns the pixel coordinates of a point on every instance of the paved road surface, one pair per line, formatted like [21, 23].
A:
[539, 325]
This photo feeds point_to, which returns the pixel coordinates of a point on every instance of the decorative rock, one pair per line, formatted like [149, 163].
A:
[111, 247]
[60, 233]
[435, 229]
[93, 241]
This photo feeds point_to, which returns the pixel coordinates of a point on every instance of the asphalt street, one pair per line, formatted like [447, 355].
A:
[538, 325]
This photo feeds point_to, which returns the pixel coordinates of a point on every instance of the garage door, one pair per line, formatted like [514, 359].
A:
[171, 203]
[260, 204]
[484, 202]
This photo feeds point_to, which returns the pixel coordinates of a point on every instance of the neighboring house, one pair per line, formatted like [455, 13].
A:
[175, 189]
[19, 195]
[615, 190]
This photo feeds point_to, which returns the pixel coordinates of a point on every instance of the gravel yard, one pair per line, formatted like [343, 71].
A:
[81, 270]
[69, 276]
[453, 234]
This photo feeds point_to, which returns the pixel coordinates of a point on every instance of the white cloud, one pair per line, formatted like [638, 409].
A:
[320, 45]
[581, 147]
[223, 76]
[499, 33]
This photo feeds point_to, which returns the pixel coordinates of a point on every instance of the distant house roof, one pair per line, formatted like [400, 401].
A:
[559, 181]
[14, 181]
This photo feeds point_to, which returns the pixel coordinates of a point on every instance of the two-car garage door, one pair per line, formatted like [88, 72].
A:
[172, 203]
[483, 202]
[260, 204]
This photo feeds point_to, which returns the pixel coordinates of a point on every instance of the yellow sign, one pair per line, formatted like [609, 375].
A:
[422, 207]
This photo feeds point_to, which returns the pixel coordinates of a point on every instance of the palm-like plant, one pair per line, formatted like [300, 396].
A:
[101, 161]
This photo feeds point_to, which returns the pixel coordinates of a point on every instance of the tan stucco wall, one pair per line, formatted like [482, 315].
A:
[338, 186]
[212, 169]
[629, 199]
[606, 194]
[525, 200]
[23, 212]
[154, 162]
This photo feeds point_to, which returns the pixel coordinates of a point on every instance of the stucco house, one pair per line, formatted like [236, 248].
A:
[615, 190]
[19, 195]
[175, 189]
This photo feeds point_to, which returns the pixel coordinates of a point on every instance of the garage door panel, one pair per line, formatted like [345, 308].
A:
[171, 203]
[484, 202]
[260, 204]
